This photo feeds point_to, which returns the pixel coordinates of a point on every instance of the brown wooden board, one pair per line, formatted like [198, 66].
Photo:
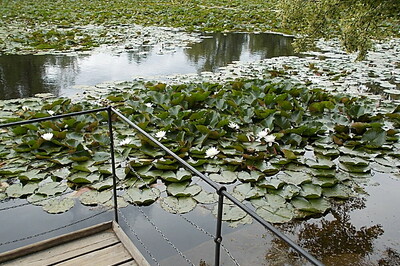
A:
[102, 244]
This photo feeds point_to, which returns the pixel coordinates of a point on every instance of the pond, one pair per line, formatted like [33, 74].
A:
[360, 231]
[64, 75]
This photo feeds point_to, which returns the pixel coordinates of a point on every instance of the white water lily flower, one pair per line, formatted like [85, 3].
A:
[47, 136]
[25, 108]
[125, 142]
[262, 134]
[211, 152]
[148, 104]
[50, 112]
[161, 135]
[269, 139]
[233, 125]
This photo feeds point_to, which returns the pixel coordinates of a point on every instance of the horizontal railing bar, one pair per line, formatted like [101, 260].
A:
[221, 190]
[188, 166]
[271, 228]
[36, 120]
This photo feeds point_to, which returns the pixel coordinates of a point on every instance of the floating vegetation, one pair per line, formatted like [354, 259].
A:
[286, 149]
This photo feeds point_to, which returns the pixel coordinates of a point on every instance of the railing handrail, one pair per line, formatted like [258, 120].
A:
[221, 190]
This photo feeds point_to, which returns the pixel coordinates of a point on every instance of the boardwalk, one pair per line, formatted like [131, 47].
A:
[103, 244]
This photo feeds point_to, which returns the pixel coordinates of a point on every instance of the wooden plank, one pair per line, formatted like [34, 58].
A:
[67, 250]
[107, 256]
[19, 252]
[136, 254]
[130, 263]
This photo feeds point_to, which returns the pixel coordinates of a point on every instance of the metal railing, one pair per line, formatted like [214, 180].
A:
[221, 190]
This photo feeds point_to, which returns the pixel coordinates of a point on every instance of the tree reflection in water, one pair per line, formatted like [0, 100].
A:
[333, 239]
[223, 49]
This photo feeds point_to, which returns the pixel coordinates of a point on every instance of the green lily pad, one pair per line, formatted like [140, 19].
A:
[324, 181]
[253, 176]
[183, 189]
[339, 191]
[354, 169]
[230, 212]
[320, 163]
[38, 199]
[33, 175]
[83, 178]
[249, 192]
[271, 182]
[58, 205]
[384, 169]
[312, 205]
[19, 190]
[310, 191]
[121, 202]
[276, 215]
[287, 192]
[144, 196]
[178, 205]
[93, 197]
[353, 161]
[52, 188]
[226, 177]
[294, 178]
[206, 198]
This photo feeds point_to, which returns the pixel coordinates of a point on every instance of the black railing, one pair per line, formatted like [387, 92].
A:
[221, 190]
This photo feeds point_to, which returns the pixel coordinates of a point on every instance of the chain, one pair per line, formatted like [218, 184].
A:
[230, 255]
[33, 202]
[138, 238]
[164, 236]
[55, 229]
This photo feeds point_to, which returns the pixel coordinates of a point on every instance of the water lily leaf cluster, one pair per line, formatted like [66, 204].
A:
[283, 148]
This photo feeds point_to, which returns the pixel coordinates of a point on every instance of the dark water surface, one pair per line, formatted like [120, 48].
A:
[27, 75]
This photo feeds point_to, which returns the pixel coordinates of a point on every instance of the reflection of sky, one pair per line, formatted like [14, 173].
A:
[98, 68]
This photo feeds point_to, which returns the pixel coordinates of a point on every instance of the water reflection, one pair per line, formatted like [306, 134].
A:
[24, 76]
[334, 239]
[223, 49]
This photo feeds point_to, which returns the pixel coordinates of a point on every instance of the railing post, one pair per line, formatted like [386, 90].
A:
[218, 235]
[110, 130]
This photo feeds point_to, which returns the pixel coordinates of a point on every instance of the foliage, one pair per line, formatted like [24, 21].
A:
[355, 22]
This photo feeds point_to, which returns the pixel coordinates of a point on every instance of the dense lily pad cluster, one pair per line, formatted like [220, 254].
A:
[284, 149]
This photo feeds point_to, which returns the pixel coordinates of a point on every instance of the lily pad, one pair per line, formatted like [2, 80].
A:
[206, 198]
[249, 192]
[183, 189]
[58, 205]
[144, 196]
[19, 190]
[294, 178]
[310, 191]
[276, 215]
[178, 205]
[339, 191]
[226, 177]
[353, 161]
[92, 197]
[253, 176]
[230, 212]
[52, 188]
[312, 205]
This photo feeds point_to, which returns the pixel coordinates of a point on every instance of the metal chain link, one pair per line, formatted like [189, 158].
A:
[230, 255]
[138, 238]
[55, 229]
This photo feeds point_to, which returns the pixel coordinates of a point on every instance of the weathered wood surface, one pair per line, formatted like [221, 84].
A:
[103, 244]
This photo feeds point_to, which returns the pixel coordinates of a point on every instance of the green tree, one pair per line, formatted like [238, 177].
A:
[355, 22]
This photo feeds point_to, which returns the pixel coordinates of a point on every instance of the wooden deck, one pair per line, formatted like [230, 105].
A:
[102, 244]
